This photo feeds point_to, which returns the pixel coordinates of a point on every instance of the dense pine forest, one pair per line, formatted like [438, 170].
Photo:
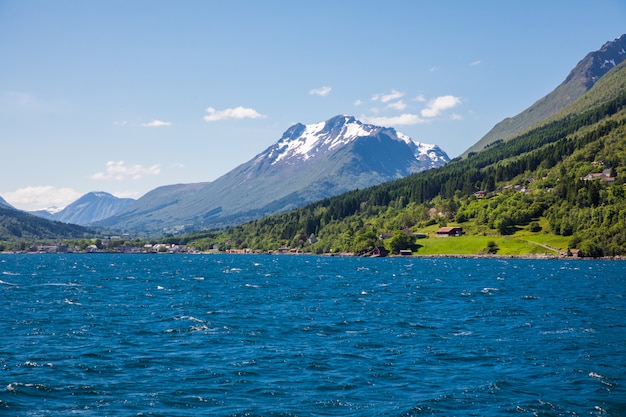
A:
[561, 182]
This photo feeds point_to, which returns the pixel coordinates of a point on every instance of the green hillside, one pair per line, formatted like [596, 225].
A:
[19, 227]
[536, 196]
[592, 68]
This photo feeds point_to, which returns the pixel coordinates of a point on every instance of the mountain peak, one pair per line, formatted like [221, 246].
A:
[580, 79]
[308, 163]
[91, 207]
[301, 142]
[597, 63]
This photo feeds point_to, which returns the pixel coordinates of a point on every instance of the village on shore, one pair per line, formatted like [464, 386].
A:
[376, 252]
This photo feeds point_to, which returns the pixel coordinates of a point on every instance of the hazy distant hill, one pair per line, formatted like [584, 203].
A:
[309, 162]
[3, 203]
[90, 208]
[586, 73]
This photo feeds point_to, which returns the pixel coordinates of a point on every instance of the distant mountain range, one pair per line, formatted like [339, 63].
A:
[589, 70]
[89, 208]
[308, 163]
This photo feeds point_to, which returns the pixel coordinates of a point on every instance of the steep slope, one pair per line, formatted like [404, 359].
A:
[3, 203]
[586, 73]
[561, 183]
[90, 208]
[307, 163]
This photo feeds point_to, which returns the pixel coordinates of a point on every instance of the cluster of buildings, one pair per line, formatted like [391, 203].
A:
[604, 176]
[157, 248]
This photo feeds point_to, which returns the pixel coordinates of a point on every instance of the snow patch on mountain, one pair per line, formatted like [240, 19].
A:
[319, 136]
[302, 142]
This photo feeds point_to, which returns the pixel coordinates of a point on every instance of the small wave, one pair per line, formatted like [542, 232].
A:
[70, 302]
[20, 386]
[190, 318]
[33, 364]
[60, 284]
[560, 331]
[10, 273]
[488, 290]
[530, 297]
[7, 283]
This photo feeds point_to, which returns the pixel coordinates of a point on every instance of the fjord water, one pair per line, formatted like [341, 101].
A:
[229, 335]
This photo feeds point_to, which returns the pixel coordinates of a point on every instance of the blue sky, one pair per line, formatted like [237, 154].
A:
[126, 96]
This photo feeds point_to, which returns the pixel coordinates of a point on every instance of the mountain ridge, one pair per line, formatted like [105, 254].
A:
[308, 162]
[557, 190]
[580, 79]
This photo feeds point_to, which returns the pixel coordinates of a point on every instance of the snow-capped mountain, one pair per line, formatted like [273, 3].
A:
[302, 142]
[308, 163]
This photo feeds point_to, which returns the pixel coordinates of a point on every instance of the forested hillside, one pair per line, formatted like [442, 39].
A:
[537, 184]
[19, 227]
[582, 77]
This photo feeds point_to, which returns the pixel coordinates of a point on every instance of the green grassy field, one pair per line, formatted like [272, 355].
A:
[475, 242]
[474, 245]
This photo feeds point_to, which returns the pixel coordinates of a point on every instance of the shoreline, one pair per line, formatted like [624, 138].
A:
[348, 255]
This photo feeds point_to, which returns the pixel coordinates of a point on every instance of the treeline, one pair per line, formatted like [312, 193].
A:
[547, 163]
[17, 225]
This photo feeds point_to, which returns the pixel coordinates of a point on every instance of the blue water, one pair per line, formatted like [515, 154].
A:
[263, 335]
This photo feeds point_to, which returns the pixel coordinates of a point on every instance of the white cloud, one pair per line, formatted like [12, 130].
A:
[357, 103]
[474, 63]
[156, 123]
[385, 98]
[398, 105]
[403, 119]
[439, 104]
[420, 98]
[41, 197]
[120, 171]
[322, 91]
[231, 113]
